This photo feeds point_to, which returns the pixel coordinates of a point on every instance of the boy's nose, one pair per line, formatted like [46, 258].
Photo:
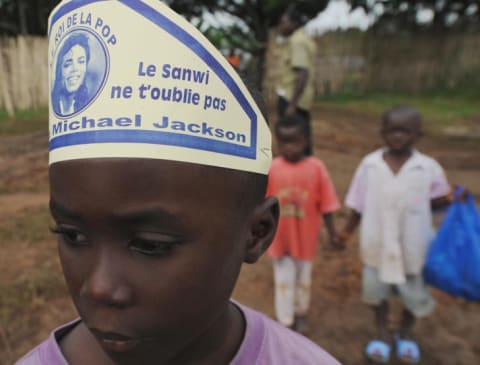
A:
[106, 284]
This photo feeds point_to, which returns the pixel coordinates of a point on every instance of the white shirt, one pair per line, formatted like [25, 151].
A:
[396, 226]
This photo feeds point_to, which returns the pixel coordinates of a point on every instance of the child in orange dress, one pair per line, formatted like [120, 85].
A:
[306, 193]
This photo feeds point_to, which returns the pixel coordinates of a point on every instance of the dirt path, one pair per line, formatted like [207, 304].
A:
[338, 320]
[15, 203]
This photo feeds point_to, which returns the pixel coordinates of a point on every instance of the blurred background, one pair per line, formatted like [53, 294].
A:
[372, 55]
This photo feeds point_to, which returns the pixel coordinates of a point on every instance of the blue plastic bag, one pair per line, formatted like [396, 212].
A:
[453, 261]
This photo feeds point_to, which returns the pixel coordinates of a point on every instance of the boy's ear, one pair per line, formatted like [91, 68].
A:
[263, 226]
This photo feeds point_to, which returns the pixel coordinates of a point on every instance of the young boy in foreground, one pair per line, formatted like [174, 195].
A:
[153, 226]
[392, 193]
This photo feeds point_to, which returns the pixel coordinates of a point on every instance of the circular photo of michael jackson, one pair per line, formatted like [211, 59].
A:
[80, 70]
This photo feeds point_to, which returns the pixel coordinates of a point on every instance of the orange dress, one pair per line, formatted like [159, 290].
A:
[305, 192]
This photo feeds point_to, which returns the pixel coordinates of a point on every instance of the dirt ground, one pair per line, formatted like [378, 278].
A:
[33, 299]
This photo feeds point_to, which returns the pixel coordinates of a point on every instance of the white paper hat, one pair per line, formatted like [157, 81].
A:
[135, 79]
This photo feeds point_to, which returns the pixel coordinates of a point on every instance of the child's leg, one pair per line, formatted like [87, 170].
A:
[302, 292]
[303, 286]
[407, 349]
[417, 302]
[407, 324]
[381, 321]
[376, 294]
[284, 278]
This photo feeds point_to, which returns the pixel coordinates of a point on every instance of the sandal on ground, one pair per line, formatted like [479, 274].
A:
[407, 351]
[378, 351]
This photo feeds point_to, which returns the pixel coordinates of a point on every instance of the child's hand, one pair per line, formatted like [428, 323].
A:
[343, 238]
[462, 197]
[337, 243]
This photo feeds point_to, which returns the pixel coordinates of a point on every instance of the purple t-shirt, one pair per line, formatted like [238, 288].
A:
[265, 343]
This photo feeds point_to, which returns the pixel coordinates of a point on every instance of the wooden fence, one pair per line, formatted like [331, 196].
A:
[23, 73]
[346, 62]
[356, 62]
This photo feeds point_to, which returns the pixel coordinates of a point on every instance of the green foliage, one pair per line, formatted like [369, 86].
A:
[254, 17]
[25, 16]
[254, 20]
[230, 38]
[267, 12]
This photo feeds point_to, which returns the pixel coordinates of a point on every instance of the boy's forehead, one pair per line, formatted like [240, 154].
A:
[157, 89]
[140, 180]
[140, 169]
[98, 191]
[403, 118]
[149, 176]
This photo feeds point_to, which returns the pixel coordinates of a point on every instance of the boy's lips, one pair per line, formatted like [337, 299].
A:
[115, 342]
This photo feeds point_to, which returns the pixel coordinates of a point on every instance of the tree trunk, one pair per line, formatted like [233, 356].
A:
[4, 87]
[22, 16]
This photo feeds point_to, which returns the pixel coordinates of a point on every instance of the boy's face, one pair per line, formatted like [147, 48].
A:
[291, 143]
[286, 26]
[400, 133]
[150, 250]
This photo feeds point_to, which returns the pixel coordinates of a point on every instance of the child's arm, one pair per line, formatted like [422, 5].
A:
[350, 226]
[443, 202]
[332, 234]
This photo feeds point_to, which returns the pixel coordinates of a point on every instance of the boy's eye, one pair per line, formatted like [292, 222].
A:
[71, 235]
[152, 246]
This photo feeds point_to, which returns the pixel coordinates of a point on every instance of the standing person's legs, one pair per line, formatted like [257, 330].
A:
[381, 312]
[306, 115]
[282, 105]
[284, 279]
[418, 302]
[407, 324]
[376, 294]
[302, 293]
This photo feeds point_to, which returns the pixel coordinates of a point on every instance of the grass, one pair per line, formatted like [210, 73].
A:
[31, 282]
[25, 121]
[16, 296]
[444, 108]
[29, 226]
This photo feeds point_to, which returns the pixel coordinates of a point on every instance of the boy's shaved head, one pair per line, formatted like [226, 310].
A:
[403, 113]
[293, 121]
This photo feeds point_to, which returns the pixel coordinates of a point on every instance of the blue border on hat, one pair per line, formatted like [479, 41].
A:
[146, 137]
[158, 137]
